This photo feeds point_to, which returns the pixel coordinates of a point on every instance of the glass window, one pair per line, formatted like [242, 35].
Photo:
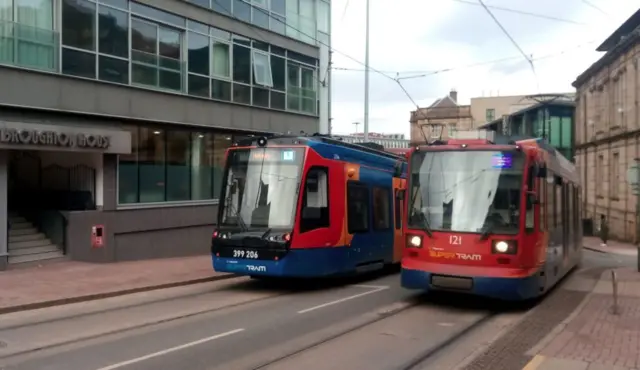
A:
[357, 207]
[278, 100]
[221, 59]
[293, 89]
[158, 14]
[241, 64]
[144, 75]
[262, 69]
[242, 10]
[278, 24]
[169, 48]
[198, 54]
[315, 200]
[278, 6]
[292, 6]
[221, 90]
[128, 172]
[260, 17]
[221, 142]
[308, 93]
[261, 97]
[306, 8]
[113, 34]
[323, 17]
[278, 72]
[144, 37]
[113, 70]
[178, 158]
[221, 6]
[78, 63]
[220, 34]
[202, 153]
[151, 162]
[241, 94]
[36, 44]
[199, 86]
[261, 3]
[79, 24]
[381, 208]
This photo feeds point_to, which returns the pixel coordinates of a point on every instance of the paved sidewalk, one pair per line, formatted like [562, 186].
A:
[69, 281]
[593, 243]
[593, 337]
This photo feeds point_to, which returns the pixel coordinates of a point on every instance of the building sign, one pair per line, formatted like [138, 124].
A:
[54, 139]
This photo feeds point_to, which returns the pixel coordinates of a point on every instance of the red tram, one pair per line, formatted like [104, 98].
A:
[490, 219]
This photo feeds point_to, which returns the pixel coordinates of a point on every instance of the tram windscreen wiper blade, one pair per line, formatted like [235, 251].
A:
[425, 224]
[487, 230]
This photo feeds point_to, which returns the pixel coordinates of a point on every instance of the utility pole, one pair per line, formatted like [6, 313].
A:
[366, 79]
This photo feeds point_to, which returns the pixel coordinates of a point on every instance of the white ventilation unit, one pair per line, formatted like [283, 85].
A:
[474, 134]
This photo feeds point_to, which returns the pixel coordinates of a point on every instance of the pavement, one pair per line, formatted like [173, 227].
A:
[598, 335]
[613, 247]
[70, 281]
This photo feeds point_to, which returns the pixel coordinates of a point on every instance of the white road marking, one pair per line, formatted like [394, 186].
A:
[169, 350]
[375, 290]
[369, 286]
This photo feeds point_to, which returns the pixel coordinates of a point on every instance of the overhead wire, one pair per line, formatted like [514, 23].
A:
[592, 5]
[514, 42]
[523, 12]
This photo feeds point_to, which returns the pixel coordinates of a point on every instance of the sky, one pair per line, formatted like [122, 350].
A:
[415, 38]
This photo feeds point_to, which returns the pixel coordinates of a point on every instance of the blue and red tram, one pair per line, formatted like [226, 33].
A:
[490, 219]
[308, 206]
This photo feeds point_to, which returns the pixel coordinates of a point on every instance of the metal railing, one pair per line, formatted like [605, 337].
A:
[29, 47]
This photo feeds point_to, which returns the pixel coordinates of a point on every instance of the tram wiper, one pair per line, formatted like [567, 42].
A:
[264, 236]
[425, 224]
[485, 233]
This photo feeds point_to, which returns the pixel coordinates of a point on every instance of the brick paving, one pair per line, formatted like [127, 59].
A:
[596, 338]
[70, 281]
[613, 246]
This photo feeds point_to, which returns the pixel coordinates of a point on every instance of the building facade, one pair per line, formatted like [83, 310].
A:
[552, 120]
[389, 141]
[608, 130]
[122, 110]
[486, 109]
[440, 119]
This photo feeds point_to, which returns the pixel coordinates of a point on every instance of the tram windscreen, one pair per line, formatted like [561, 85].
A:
[261, 187]
[466, 191]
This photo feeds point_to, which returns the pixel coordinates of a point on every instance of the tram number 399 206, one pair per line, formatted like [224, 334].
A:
[241, 253]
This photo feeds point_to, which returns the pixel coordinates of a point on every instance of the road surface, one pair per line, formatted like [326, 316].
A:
[369, 322]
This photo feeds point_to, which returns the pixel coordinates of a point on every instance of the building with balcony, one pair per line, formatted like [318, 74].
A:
[440, 119]
[115, 116]
[608, 130]
[551, 118]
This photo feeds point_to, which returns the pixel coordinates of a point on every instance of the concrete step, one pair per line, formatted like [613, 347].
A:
[16, 219]
[28, 244]
[34, 250]
[24, 238]
[21, 225]
[14, 232]
[35, 257]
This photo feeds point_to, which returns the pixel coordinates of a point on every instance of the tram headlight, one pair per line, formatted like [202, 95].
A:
[415, 241]
[505, 247]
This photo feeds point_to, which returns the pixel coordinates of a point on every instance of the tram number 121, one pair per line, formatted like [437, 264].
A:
[455, 239]
[240, 253]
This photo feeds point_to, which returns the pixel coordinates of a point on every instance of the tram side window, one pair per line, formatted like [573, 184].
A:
[529, 210]
[398, 208]
[357, 207]
[315, 200]
[550, 205]
[381, 208]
